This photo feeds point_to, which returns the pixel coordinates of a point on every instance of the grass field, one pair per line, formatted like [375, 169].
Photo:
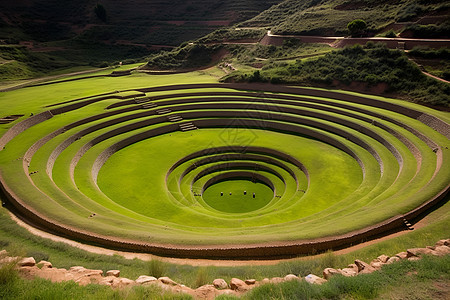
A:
[140, 162]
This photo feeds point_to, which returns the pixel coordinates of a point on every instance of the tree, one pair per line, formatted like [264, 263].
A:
[100, 11]
[357, 27]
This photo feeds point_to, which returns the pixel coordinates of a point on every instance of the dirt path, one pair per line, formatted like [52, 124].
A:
[200, 262]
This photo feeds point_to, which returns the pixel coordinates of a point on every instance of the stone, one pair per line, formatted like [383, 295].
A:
[329, 272]
[3, 253]
[349, 272]
[354, 267]
[238, 285]
[27, 262]
[442, 250]
[220, 284]
[313, 279]
[143, 279]
[265, 281]
[250, 281]
[418, 252]
[402, 255]
[109, 280]
[205, 292]
[276, 280]
[115, 273]
[383, 258]
[443, 243]
[167, 280]
[376, 264]
[392, 260]
[413, 258]
[44, 264]
[125, 281]
[290, 277]
[363, 268]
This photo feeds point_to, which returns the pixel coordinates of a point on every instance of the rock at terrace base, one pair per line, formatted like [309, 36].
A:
[220, 284]
[313, 279]
[27, 262]
[143, 279]
[363, 267]
[167, 281]
[238, 285]
[115, 273]
[329, 272]
[290, 277]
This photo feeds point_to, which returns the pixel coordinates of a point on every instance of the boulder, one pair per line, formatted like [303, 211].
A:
[27, 262]
[265, 281]
[329, 272]
[442, 250]
[276, 280]
[363, 268]
[143, 279]
[290, 277]
[238, 285]
[77, 269]
[418, 252]
[313, 279]
[443, 243]
[392, 259]
[44, 264]
[115, 273]
[376, 264]
[383, 258]
[220, 284]
[349, 272]
[125, 281]
[402, 255]
[354, 267]
[167, 281]
[109, 280]
[250, 281]
[205, 292]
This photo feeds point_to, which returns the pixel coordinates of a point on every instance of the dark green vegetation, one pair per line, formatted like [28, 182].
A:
[315, 17]
[357, 27]
[185, 57]
[98, 33]
[371, 65]
[436, 62]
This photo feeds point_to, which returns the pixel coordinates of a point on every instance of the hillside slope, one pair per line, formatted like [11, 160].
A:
[318, 17]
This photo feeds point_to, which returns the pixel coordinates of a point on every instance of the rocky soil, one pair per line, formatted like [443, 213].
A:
[29, 269]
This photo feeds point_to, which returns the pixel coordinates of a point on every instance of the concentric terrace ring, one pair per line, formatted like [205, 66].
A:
[129, 170]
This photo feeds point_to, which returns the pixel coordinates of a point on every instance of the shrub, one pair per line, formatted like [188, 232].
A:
[157, 268]
[357, 27]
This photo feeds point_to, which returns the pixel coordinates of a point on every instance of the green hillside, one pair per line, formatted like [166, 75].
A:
[316, 17]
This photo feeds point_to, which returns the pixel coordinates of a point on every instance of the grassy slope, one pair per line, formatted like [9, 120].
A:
[312, 17]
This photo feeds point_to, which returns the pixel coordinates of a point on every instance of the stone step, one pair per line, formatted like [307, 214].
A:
[174, 118]
[407, 224]
[163, 111]
[187, 126]
[149, 105]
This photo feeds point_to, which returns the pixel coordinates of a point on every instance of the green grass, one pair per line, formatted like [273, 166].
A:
[134, 196]
[234, 200]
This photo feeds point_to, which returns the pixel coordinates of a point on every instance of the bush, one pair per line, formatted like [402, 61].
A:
[357, 27]
[157, 268]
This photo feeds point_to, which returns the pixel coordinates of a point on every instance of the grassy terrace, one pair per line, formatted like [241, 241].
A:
[141, 164]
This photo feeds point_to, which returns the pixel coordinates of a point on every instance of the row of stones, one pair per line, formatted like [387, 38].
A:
[29, 269]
